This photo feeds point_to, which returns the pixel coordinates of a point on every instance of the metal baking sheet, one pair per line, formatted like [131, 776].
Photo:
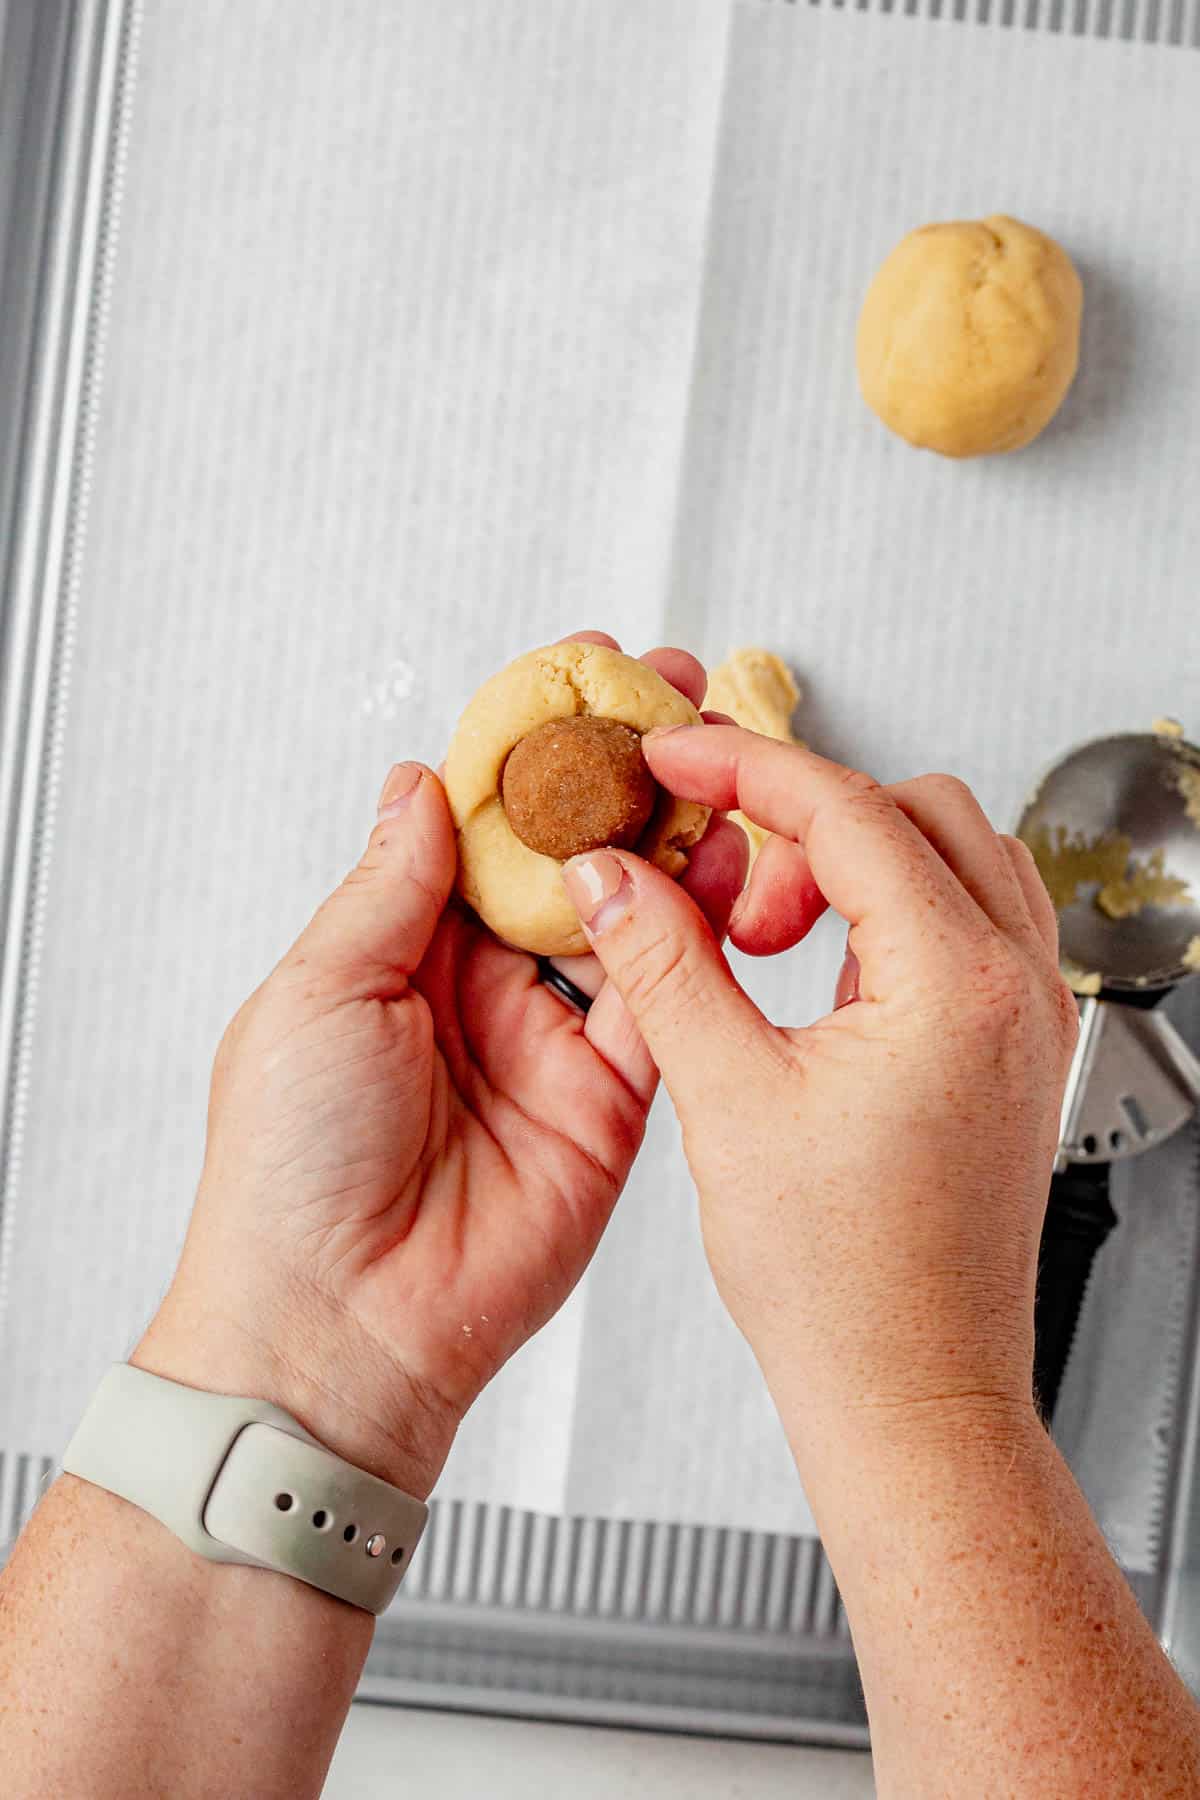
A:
[668, 1625]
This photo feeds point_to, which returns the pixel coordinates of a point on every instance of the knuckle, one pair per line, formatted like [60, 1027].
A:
[1007, 976]
[856, 784]
[364, 872]
[1003, 987]
[1016, 847]
[243, 1022]
[663, 977]
[1017, 1004]
[1019, 851]
[1064, 1011]
[337, 911]
[950, 789]
[240, 1031]
[227, 1052]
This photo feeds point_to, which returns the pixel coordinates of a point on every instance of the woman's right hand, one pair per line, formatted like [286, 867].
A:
[872, 1186]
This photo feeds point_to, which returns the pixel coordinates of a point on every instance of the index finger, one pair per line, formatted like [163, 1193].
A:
[867, 858]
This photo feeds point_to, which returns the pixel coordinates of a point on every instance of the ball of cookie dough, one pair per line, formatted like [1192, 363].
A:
[969, 336]
[574, 784]
[515, 888]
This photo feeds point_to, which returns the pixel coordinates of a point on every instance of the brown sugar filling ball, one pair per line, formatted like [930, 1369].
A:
[576, 783]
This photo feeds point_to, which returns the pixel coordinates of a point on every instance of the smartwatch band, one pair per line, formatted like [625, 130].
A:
[240, 1481]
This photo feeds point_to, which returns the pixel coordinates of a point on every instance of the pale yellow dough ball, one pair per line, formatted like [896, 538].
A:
[518, 890]
[969, 336]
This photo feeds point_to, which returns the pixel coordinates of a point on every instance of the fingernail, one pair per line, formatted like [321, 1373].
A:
[662, 731]
[399, 788]
[599, 890]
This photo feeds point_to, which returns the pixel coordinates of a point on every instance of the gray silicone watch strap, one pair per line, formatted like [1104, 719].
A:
[240, 1481]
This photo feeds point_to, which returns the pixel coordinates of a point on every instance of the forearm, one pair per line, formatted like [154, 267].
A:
[1002, 1651]
[130, 1666]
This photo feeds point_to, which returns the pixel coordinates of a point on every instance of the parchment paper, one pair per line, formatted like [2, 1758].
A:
[439, 330]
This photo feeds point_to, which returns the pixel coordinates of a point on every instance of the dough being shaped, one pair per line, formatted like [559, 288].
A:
[757, 690]
[969, 336]
[575, 784]
[515, 890]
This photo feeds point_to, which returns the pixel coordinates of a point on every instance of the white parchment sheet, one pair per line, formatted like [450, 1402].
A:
[439, 330]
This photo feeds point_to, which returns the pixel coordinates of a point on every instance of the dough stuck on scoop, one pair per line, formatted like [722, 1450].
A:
[574, 784]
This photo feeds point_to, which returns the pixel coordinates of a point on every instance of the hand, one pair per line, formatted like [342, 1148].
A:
[413, 1147]
[872, 1186]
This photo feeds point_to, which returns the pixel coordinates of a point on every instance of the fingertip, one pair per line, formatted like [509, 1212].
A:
[399, 788]
[716, 871]
[590, 637]
[412, 789]
[683, 670]
[781, 902]
[415, 828]
[379, 923]
[728, 836]
[599, 884]
[660, 953]
[659, 736]
[665, 738]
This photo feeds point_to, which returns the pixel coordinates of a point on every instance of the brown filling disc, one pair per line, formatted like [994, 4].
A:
[577, 783]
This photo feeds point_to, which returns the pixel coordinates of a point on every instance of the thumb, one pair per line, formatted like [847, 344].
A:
[378, 924]
[659, 952]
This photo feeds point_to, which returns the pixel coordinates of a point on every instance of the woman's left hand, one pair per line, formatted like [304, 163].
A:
[413, 1148]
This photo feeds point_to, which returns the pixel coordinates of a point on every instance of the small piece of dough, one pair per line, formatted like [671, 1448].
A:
[969, 336]
[1085, 982]
[756, 688]
[515, 890]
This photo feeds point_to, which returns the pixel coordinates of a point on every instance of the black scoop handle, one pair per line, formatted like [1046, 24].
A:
[1079, 1217]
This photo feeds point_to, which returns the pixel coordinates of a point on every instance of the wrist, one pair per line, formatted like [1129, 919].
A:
[355, 1401]
[877, 1467]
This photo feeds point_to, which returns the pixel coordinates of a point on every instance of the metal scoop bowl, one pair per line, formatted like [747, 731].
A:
[1137, 786]
[1130, 805]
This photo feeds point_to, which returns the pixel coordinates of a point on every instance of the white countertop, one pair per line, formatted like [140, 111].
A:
[387, 1752]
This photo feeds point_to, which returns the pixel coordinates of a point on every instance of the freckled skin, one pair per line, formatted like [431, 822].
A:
[881, 1269]
[883, 1272]
[413, 1148]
